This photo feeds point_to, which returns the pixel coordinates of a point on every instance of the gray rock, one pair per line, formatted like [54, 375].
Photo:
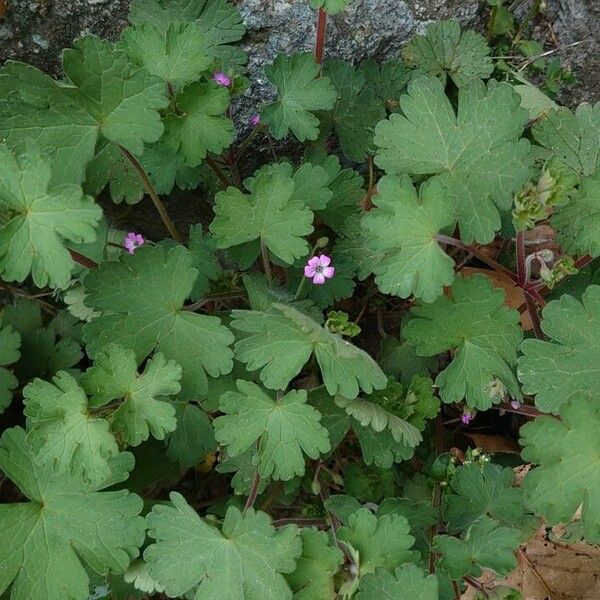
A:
[36, 30]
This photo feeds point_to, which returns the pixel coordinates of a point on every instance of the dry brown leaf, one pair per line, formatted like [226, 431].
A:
[492, 443]
[552, 571]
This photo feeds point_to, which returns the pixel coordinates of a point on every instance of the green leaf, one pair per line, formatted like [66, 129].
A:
[569, 471]
[201, 248]
[286, 429]
[565, 367]
[381, 542]
[483, 490]
[37, 218]
[380, 448]
[143, 412]
[63, 434]
[244, 561]
[301, 92]
[280, 344]
[141, 300]
[201, 126]
[194, 437]
[475, 153]
[272, 213]
[399, 359]
[403, 227]
[356, 111]
[578, 223]
[315, 568]
[388, 79]
[10, 344]
[368, 483]
[355, 244]
[332, 7]
[107, 97]
[219, 21]
[486, 546]
[483, 333]
[446, 51]
[333, 418]
[65, 523]
[572, 138]
[178, 56]
[408, 582]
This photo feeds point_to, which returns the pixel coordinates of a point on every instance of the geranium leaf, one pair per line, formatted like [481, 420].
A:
[286, 429]
[271, 213]
[403, 227]
[141, 300]
[10, 344]
[201, 246]
[301, 92]
[483, 333]
[65, 523]
[245, 560]
[281, 342]
[315, 568]
[486, 545]
[568, 474]
[37, 219]
[565, 367]
[332, 7]
[407, 582]
[446, 51]
[475, 153]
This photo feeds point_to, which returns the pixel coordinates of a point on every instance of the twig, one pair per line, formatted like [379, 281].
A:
[160, 207]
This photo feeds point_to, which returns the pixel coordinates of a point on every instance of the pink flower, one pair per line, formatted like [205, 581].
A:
[133, 241]
[466, 417]
[515, 404]
[222, 78]
[254, 120]
[318, 269]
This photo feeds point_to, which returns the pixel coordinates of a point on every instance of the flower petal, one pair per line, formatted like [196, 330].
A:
[319, 279]
[314, 262]
[309, 271]
[329, 272]
[324, 260]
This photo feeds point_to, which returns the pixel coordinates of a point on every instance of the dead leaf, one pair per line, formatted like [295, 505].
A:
[492, 443]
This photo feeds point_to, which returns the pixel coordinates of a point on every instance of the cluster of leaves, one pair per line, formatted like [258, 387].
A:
[206, 379]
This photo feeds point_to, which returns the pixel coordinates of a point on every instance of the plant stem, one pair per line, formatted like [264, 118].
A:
[535, 317]
[491, 24]
[246, 143]
[524, 409]
[212, 298]
[265, 260]
[275, 492]
[321, 30]
[210, 161]
[253, 492]
[84, 261]
[160, 207]
[437, 491]
[301, 522]
[521, 261]
[496, 266]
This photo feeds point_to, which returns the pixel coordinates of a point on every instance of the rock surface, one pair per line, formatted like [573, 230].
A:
[36, 30]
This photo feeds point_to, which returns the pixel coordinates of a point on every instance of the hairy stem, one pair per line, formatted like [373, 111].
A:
[253, 492]
[521, 260]
[491, 23]
[535, 316]
[321, 30]
[533, 10]
[212, 163]
[158, 203]
[84, 261]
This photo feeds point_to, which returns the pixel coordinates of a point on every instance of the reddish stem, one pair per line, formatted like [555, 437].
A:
[521, 267]
[321, 29]
[84, 261]
[253, 492]
[535, 317]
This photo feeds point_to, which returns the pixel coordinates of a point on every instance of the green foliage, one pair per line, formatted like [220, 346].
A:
[244, 560]
[483, 333]
[403, 227]
[298, 466]
[564, 368]
[145, 312]
[280, 343]
[284, 429]
[486, 545]
[446, 51]
[475, 153]
[567, 452]
[64, 523]
[301, 92]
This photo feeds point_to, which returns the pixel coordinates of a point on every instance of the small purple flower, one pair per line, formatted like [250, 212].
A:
[318, 269]
[466, 417]
[515, 404]
[133, 241]
[254, 120]
[222, 78]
